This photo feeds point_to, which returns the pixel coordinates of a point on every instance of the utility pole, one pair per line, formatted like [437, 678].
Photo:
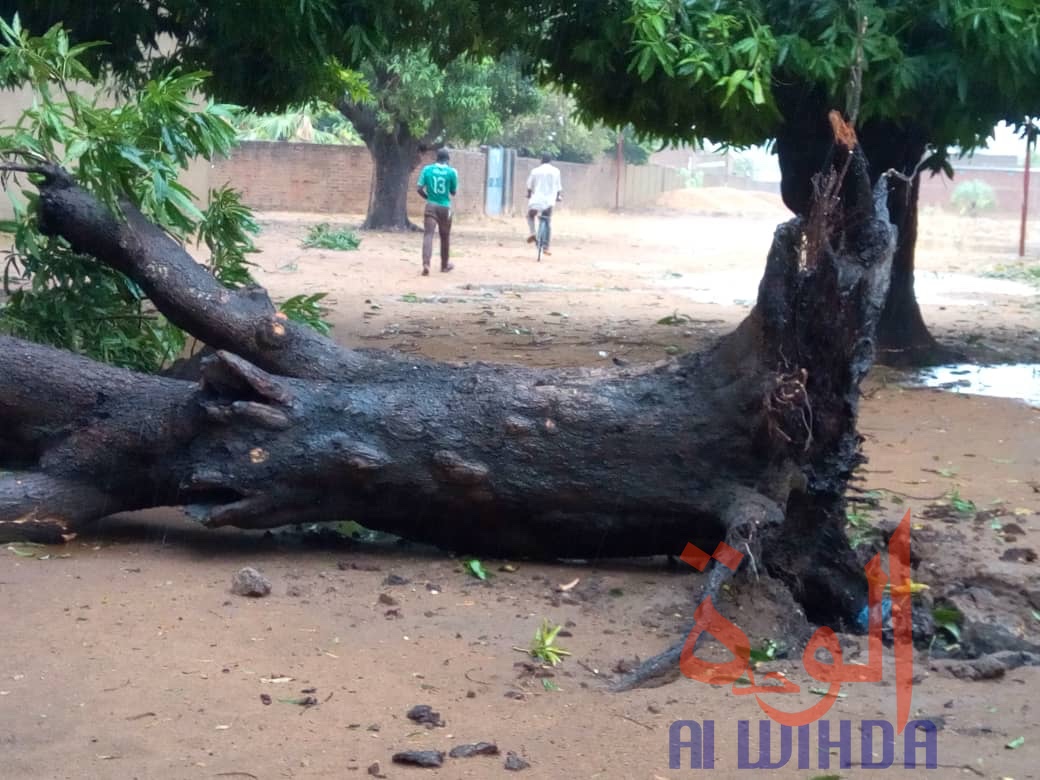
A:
[1030, 143]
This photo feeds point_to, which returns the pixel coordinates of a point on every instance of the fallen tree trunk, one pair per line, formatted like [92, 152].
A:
[751, 442]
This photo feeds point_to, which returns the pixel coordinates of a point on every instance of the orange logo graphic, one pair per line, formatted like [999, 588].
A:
[835, 671]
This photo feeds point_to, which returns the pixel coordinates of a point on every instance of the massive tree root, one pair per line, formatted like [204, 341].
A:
[751, 442]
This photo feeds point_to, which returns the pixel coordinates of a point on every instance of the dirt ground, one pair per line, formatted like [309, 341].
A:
[124, 654]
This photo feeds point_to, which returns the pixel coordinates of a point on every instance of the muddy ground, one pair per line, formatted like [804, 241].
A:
[125, 655]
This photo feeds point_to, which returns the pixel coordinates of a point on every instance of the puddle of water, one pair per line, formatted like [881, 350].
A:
[1019, 381]
[932, 289]
[945, 289]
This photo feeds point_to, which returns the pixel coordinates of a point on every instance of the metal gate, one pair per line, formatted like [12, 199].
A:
[494, 190]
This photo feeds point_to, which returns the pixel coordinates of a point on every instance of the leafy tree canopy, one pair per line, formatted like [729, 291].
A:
[555, 126]
[675, 69]
[412, 95]
[731, 70]
[131, 152]
[316, 122]
[264, 54]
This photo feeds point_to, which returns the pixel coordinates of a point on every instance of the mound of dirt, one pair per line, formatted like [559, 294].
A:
[723, 200]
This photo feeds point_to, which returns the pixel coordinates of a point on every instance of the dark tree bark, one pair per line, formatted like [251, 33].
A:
[751, 442]
[903, 336]
[396, 154]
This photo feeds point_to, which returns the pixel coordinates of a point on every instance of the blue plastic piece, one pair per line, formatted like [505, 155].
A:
[863, 618]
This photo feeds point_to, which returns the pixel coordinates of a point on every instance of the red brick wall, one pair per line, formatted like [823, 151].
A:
[1007, 187]
[281, 176]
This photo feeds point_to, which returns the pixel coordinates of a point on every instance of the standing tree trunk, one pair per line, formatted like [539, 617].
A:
[751, 442]
[903, 336]
[395, 159]
[395, 155]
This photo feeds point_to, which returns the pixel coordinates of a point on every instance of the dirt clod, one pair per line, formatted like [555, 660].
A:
[988, 667]
[475, 749]
[424, 758]
[395, 579]
[249, 582]
[425, 714]
[515, 763]
[1019, 555]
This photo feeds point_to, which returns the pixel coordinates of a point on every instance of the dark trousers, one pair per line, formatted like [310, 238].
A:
[436, 219]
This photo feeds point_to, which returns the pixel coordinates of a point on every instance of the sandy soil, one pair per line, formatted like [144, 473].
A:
[126, 656]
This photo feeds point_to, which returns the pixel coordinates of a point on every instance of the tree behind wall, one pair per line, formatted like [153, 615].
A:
[555, 126]
[415, 105]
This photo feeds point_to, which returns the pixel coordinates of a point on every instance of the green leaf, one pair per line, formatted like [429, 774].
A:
[733, 82]
[178, 197]
[476, 568]
[758, 96]
[826, 692]
[324, 236]
[674, 318]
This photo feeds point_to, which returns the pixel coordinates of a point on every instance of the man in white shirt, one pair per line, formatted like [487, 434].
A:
[544, 191]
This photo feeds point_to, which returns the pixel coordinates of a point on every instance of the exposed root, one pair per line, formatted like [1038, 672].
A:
[663, 668]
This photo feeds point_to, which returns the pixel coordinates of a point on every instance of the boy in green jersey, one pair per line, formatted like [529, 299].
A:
[437, 184]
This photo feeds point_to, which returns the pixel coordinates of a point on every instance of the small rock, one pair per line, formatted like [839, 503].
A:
[937, 720]
[1019, 554]
[393, 614]
[514, 763]
[425, 714]
[515, 695]
[653, 708]
[343, 566]
[476, 749]
[265, 698]
[395, 579]
[375, 770]
[373, 727]
[386, 598]
[427, 758]
[250, 582]
[987, 667]
[471, 694]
